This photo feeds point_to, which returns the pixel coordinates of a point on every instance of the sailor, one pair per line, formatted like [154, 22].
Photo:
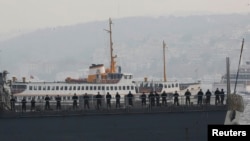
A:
[130, 98]
[157, 97]
[58, 102]
[99, 100]
[151, 98]
[24, 104]
[143, 99]
[208, 96]
[75, 98]
[164, 98]
[108, 99]
[47, 99]
[187, 94]
[32, 102]
[12, 103]
[176, 98]
[217, 96]
[117, 97]
[200, 95]
[222, 95]
[86, 101]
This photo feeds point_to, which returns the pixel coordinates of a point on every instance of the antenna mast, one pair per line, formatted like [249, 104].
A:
[112, 58]
[238, 66]
[164, 63]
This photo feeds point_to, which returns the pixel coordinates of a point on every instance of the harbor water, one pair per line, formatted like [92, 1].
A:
[245, 117]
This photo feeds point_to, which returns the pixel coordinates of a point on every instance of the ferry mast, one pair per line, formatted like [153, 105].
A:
[164, 63]
[112, 57]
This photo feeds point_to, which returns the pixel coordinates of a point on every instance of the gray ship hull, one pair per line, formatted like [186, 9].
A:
[160, 125]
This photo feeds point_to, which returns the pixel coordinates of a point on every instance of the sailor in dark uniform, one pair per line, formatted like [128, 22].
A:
[222, 95]
[143, 99]
[164, 98]
[130, 98]
[12, 103]
[117, 97]
[176, 98]
[187, 94]
[75, 98]
[58, 102]
[217, 96]
[24, 104]
[108, 99]
[47, 99]
[99, 100]
[151, 98]
[208, 96]
[86, 101]
[33, 104]
[157, 98]
[200, 95]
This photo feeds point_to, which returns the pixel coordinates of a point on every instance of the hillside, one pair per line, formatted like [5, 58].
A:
[197, 47]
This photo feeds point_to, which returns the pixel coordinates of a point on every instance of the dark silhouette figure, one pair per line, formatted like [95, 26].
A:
[117, 97]
[58, 102]
[208, 96]
[157, 98]
[187, 95]
[75, 98]
[86, 101]
[99, 100]
[143, 99]
[176, 98]
[24, 104]
[151, 98]
[222, 95]
[130, 98]
[200, 95]
[33, 104]
[47, 99]
[12, 103]
[217, 96]
[108, 99]
[164, 98]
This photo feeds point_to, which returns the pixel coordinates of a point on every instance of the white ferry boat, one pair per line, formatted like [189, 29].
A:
[99, 79]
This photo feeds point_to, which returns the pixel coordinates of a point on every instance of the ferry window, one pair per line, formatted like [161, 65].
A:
[115, 87]
[74, 88]
[125, 76]
[94, 87]
[35, 88]
[124, 88]
[107, 88]
[57, 87]
[68, 97]
[176, 85]
[39, 87]
[132, 87]
[103, 88]
[99, 87]
[120, 87]
[82, 87]
[172, 85]
[53, 88]
[90, 88]
[169, 86]
[30, 87]
[44, 88]
[165, 86]
[61, 88]
[70, 87]
[65, 87]
[111, 88]
[78, 88]
[38, 97]
[87, 88]
[64, 98]
[128, 88]
[48, 88]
